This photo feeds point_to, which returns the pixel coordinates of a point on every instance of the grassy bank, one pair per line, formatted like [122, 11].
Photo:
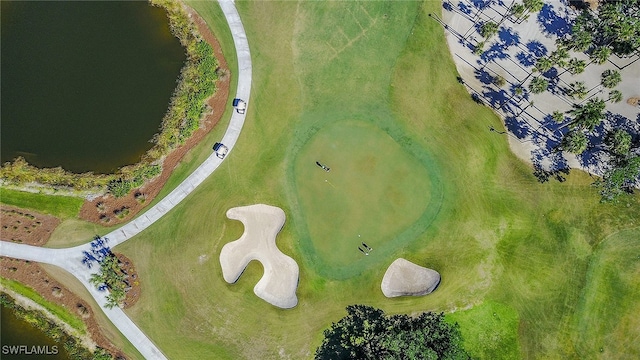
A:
[64, 207]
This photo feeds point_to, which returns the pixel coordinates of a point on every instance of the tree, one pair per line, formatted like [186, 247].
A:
[600, 55]
[615, 96]
[367, 333]
[113, 277]
[479, 48]
[488, 29]
[560, 56]
[538, 85]
[576, 66]
[610, 78]
[557, 116]
[575, 142]
[533, 5]
[543, 64]
[499, 81]
[589, 115]
[518, 11]
[577, 90]
[619, 142]
[614, 26]
[620, 179]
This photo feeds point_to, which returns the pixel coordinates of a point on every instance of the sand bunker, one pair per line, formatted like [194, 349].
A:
[406, 278]
[258, 242]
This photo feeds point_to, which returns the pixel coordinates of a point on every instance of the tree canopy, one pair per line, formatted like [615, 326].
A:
[367, 333]
[614, 26]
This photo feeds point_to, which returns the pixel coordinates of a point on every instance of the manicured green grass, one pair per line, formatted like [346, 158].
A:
[58, 311]
[499, 239]
[607, 319]
[60, 206]
[374, 191]
[502, 242]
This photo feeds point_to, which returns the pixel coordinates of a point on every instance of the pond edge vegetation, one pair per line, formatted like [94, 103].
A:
[71, 344]
[187, 108]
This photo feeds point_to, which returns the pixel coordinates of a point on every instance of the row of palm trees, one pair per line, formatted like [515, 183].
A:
[112, 277]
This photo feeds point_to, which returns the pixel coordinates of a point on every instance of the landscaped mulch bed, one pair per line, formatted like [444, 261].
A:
[26, 226]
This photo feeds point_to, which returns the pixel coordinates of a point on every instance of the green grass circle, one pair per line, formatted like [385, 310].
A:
[381, 190]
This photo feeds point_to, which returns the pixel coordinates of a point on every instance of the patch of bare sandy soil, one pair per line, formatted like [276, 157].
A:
[109, 210]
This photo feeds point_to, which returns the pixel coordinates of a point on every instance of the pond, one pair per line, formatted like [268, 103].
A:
[85, 85]
[19, 338]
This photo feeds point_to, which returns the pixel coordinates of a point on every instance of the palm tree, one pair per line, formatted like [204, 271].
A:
[538, 84]
[600, 55]
[581, 40]
[589, 115]
[615, 96]
[577, 90]
[533, 5]
[575, 142]
[543, 64]
[576, 66]
[557, 116]
[488, 29]
[610, 78]
[560, 56]
[518, 10]
[619, 142]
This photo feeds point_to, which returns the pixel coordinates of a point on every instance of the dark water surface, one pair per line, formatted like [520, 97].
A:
[84, 84]
[16, 332]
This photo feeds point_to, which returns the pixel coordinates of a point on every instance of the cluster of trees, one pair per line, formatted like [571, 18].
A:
[72, 345]
[367, 333]
[114, 278]
[613, 28]
[188, 105]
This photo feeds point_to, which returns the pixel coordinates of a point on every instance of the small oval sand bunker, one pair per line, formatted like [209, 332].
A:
[374, 198]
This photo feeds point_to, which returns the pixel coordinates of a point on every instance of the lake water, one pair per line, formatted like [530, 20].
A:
[84, 85]
[16, 332]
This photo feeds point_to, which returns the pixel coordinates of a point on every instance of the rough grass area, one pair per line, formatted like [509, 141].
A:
[64, 207]
[489, 330]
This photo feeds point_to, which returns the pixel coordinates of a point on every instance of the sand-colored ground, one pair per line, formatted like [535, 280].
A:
[511, 54]
[258, 242]
[404, 278]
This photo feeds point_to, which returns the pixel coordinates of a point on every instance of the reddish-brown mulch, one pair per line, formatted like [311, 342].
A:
[105, 214]
[26, 226]
[36, 277]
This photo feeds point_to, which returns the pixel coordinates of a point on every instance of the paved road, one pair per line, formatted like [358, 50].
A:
[74, 259]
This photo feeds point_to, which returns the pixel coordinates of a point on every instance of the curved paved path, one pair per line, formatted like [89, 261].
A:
[71, 259]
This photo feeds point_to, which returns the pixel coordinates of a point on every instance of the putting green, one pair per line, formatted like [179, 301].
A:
[376, 192]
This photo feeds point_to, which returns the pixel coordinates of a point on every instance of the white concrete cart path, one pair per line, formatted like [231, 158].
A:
[71, 259]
